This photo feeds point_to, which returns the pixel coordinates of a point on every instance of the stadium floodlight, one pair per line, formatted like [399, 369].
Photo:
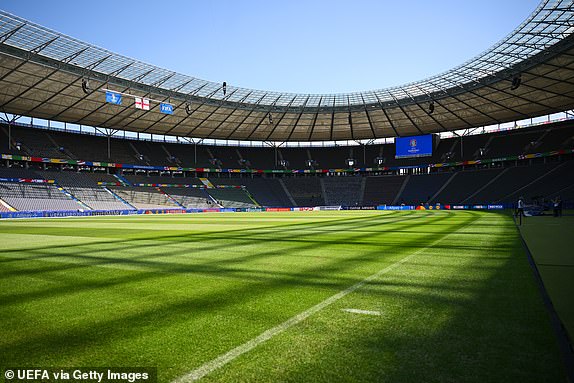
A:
[379, 160]
[350, 162]
[516, 81]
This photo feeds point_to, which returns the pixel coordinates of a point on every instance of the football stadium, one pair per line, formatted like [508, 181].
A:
[160, 227]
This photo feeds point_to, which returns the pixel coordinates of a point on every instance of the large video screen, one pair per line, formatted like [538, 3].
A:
[414, 146]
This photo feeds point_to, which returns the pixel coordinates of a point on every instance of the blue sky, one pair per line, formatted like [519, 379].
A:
[291, 46]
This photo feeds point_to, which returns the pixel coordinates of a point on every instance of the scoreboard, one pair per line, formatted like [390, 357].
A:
[414, 146]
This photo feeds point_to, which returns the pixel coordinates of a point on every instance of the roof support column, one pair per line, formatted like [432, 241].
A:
[10, 121]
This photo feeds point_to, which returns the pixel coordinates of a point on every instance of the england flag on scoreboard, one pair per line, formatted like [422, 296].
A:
[142, 103]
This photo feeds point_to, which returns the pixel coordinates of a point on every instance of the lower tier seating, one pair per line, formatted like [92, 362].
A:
[36, 197]
[144, 197]
[74, 191]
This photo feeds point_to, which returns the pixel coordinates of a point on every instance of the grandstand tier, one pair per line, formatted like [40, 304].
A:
[46, 143]
[476, 180]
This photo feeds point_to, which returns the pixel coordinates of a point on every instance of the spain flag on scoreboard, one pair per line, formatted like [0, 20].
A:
[142, 103]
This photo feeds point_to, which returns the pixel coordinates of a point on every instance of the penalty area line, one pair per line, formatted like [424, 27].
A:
[234, 353]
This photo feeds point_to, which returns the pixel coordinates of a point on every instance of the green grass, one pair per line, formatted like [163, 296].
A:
[175, 292]
[551, 242]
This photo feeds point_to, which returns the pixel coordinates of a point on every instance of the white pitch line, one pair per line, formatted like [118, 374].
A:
[364, 312]
[229, 356]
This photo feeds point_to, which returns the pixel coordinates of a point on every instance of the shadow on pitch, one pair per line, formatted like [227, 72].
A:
[169, 313]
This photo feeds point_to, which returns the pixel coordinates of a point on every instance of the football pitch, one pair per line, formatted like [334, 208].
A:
[350, 296]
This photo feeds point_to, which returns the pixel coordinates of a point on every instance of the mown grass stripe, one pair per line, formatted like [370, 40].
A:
[236, 352]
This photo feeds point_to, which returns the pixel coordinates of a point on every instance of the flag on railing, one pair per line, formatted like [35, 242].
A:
[113, 97]
[142, 103]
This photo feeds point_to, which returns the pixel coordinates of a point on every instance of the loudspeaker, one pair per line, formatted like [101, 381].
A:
[431, 107]
[85, 86]
[516, 81]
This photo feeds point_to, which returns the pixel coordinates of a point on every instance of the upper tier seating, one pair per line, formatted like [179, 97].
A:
[296, 157]
[95, 148]
[331, 158]
[56, 144]
[37, 143]
[259, 158]
[152, 153]
[227, 156]
[16, 172]
[186, 155]
[512, 143]
[532, 178]
[559, 137]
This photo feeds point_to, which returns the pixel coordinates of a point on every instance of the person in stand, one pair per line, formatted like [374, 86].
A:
[520, 209]
[555, 204]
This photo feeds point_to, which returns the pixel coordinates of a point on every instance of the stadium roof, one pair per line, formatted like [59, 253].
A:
[527, 74]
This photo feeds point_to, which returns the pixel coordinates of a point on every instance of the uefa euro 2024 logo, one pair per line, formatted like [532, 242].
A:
[413, 143]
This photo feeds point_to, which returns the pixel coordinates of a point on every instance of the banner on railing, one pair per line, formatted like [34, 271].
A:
[87, 213]
[395, 207]
[283, 171]
[27, 180]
